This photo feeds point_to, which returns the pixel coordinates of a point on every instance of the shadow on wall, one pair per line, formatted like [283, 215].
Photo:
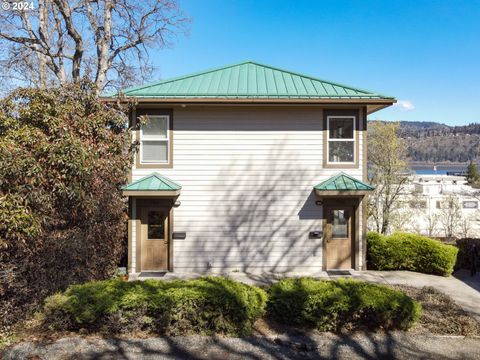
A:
[310, 210]
[263, 220]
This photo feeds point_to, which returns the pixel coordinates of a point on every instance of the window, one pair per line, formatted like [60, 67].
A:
[418, 204]
[341, 139]
[340, 224]
[446, 204]
[470, 205]
[155, 139]
[156, 225]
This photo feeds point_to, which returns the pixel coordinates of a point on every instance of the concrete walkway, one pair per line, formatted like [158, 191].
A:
[462, 288]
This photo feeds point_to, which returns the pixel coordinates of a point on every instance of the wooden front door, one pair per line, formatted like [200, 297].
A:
[339, 237]
[154, 233]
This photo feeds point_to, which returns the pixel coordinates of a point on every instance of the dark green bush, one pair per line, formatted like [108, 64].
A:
[464, 257]
[206, 305]
[402, 251]
[342, 304]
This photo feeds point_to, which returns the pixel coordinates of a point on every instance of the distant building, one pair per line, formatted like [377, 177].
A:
[434, 203]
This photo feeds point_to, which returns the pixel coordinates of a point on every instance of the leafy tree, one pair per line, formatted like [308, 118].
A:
[62, 216]
[388, 172]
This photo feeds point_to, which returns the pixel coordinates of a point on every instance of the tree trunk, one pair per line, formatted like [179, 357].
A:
[103, 44]
[42, 61]
[65, 11]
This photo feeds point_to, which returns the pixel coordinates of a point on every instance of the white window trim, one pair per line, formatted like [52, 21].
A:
[156, 138]
[353, 139]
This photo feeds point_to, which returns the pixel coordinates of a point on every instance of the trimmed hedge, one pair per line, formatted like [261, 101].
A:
[402, 251]
[341, 304]
[206, 305]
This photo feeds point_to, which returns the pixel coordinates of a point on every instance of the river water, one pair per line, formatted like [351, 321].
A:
[440, 169]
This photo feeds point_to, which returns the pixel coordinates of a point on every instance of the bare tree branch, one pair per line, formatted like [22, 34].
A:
[66, 12]
[388, 171]
[107, 40]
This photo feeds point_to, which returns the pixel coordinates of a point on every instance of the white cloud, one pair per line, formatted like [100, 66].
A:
[404, 105]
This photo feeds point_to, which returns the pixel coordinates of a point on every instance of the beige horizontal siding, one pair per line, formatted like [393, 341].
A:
[247, 177]
[213, 170]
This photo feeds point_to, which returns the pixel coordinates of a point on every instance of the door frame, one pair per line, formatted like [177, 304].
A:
[339, 202]
[144, 234]
[166, 204]
[351, 232]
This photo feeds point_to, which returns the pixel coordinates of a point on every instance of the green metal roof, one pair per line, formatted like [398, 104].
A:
[249, 80]
[343, 182]
[153, 182]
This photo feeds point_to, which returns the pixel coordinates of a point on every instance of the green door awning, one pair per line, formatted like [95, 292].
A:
[152, 185]
[342, 184]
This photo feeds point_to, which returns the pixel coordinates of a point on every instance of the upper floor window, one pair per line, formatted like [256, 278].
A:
[155, 140]
[418, 204]
[341, 139]
[470, 204]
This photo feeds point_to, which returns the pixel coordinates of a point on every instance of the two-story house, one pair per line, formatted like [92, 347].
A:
[251, 168]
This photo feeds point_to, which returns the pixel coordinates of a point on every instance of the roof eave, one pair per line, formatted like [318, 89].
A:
[337, 193]
[151, 193]
[371, 108]
[379, 102]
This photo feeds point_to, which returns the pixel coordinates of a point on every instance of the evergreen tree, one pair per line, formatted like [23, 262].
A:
[473, 176]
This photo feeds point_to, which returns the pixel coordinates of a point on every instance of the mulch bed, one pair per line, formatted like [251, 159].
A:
[440, 314]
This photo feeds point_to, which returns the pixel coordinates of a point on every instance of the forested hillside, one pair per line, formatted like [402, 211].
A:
[435, 142]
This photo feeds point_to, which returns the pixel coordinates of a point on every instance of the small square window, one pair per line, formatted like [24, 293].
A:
[341, 128]
[156, 225]
[156, 126]
[154, 151]
[341, 152]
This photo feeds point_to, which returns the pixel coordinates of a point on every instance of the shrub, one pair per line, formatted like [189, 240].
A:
[206, 305]
[464, 257]
[342, 304]
[401, 251]
[64, 156]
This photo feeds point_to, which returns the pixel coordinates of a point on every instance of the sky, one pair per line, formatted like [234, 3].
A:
[424, 53]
